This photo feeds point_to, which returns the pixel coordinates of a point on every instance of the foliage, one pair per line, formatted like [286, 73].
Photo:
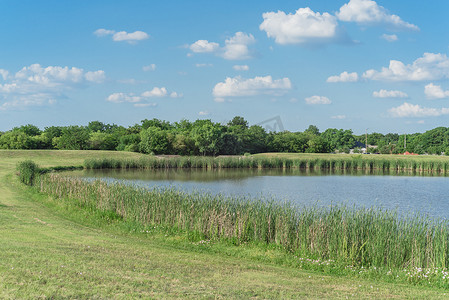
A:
[207, 137]
[15, 139]
[204, 137]
[27, 171]
[73, 138]
[154, 140]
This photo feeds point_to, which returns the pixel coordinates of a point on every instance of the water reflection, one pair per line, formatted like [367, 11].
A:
[405, 192]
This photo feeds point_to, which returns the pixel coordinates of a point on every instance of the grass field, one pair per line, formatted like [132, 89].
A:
[50, 249]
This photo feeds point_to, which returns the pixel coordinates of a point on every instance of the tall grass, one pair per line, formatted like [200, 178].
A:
[366, 163]
[357, 237]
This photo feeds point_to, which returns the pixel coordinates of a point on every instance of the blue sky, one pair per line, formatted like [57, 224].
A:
[353, 64]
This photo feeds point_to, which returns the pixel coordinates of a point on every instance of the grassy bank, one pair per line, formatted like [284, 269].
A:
[368, 163]
[56, 248]
[349, 239]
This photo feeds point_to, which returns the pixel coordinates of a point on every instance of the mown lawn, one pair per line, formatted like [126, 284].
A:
[49, 250]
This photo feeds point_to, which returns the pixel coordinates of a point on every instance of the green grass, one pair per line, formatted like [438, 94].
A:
[345, 238]
[54, 249]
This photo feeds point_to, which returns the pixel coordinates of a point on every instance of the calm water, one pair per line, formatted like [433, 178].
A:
[406, 193]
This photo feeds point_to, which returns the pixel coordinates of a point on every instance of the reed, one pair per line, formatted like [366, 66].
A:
[329, 162]
[27, 171]
[353, 236]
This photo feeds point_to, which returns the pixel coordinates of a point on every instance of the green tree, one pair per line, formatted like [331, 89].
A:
[30, 130]
[207, 137]
[73, 138]
[154, 140]
[15, 139]
[313, 130]
[156, 123]
[338, 139]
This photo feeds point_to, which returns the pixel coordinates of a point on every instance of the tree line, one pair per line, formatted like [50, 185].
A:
[204, 137]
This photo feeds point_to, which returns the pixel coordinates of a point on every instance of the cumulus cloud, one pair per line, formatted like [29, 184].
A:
[123, 36]
[344, 77]
[95, 76]
[389, 94]
[302, 27]
[318, 100]
[433, 91]
[339, 117]
[416, 111]
[156, 92]
[240, 87]
[151, 67]
[130, 37]
[240, 67]
[175, 95]
[37, 85]
[204, 46]
[235, 47]
[368, 12]
[203, 113]
[431, 66]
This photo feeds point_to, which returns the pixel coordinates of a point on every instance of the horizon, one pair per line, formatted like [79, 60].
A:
[352, 64]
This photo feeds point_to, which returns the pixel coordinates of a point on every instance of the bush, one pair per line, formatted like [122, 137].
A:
[27, 171]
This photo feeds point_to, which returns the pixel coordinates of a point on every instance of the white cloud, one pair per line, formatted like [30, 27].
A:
[318, 100]
[389, 94]
[4, 74]
[203, 113]
[344, 77]
[37, 85]
[240, 67]
[204, 46]
[151, 67]
[175, 95]
[431, 66]
[103, 32]
[235, 48]
[95, 76]
[130, 37]
[239, 87]
[339, 117]
[303, 27]
[50, 76]
[368, 12]
[156, 92]
[122, 97]
[435, 92]
[389, 37]
[416, 111]
[122, 36]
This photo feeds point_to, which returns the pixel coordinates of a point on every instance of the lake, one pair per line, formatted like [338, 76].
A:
[402, 192]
